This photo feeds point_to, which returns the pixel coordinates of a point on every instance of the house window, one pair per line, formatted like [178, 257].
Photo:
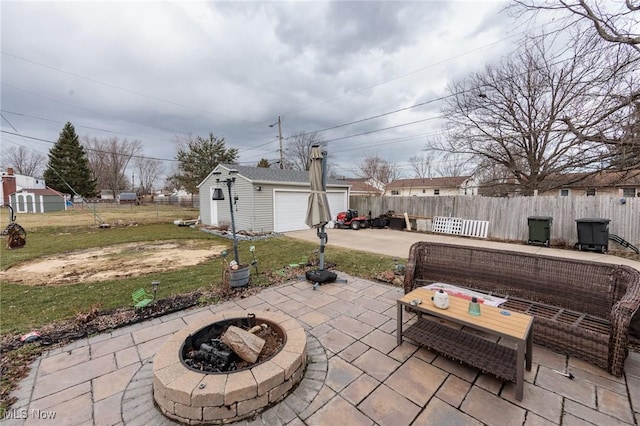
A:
[394, 192]
[424, 191]
[436, 192]
[564, 192]
[590, 192]
[629, 192]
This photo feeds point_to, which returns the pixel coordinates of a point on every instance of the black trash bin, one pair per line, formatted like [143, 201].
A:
[539, 230]
[593, 234]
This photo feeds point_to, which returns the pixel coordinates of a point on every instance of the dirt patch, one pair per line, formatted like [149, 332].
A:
[106, 263]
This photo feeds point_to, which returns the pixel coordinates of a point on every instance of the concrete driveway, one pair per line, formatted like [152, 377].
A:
[397, 243]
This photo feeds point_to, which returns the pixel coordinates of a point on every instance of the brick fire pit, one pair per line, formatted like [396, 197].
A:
[195, 398]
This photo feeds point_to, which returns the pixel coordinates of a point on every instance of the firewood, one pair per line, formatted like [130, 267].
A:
[254, 330]
[246, 345]
[407, 221]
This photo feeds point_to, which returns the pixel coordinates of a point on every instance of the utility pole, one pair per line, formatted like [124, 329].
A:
[280, 139]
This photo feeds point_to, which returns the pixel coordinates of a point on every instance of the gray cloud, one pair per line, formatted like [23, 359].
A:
[154, 70]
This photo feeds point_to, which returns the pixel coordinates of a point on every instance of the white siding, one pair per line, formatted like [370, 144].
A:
[255, 209]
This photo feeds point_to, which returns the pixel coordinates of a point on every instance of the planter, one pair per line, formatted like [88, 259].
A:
[240, 276]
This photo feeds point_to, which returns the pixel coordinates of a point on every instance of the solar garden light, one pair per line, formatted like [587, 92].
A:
[155, 285]
[252, 249]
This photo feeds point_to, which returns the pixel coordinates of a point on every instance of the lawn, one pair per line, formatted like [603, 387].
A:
[25, 308]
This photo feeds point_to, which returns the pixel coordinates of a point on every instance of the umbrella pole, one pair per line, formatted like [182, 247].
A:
[323, 239]
[322, 234]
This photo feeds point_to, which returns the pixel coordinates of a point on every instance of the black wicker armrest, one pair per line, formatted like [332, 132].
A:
[621, 314]
[409, 277]
[410, 267]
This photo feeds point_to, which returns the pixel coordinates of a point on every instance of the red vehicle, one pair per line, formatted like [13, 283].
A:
[350, 219]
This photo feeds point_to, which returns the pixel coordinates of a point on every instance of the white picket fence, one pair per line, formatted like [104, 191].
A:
[460, 226]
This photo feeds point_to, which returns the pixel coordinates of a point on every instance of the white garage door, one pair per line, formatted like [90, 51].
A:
[291, 208]
[337, 202]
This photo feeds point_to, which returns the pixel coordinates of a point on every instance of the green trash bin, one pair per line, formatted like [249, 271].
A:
[540, 230]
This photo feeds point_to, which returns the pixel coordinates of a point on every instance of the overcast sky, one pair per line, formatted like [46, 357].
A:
[153, 70]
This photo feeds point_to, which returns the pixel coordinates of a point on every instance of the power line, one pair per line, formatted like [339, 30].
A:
[470, 89]
[410, 72]
[113, 86]
[336, 126]
[91, 111]
[61, 122]
[8, 122]
[88, 148]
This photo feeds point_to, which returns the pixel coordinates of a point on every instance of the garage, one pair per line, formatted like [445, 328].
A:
[264, 199]
[290, 208]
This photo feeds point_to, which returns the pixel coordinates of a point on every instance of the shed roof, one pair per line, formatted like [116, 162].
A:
[268, 175]
[41, 191]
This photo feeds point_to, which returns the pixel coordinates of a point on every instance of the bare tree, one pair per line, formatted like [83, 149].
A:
[298, 150]
[512, 114]
[24, 161]
[109, 159]
[617, 24]
[421, 165]
[494, 180]
[614, 22]
[375, 167]
[149, 171]
[451, 165]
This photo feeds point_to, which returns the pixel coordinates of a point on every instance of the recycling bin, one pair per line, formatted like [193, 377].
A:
[539, 230]
[593, 234]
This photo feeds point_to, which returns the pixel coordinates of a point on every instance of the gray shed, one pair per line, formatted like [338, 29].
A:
[269, 200]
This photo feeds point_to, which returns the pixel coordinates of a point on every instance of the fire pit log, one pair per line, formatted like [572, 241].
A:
[254, 330]
[246, 345]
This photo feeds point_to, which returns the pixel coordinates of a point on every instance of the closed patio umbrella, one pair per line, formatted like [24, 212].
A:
[318, 213]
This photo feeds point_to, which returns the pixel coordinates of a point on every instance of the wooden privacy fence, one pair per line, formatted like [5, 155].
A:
[507, 217]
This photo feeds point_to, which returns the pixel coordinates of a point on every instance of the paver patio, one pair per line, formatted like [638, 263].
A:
[357, 375]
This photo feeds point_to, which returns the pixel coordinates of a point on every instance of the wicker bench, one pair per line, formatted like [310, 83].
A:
[582, 309]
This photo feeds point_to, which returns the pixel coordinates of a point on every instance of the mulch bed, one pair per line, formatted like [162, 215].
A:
[14, 363]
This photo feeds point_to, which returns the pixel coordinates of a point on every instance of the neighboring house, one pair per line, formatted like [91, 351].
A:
[12, 182]
[617, 184]
[364, 186]
[428, 187]
[38, 201]
[268, 200]
[30, 195]
[107, 195]
[180, 193]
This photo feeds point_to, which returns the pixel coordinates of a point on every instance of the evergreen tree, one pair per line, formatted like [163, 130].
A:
[198, 157]
[264, 163]
[68, 165]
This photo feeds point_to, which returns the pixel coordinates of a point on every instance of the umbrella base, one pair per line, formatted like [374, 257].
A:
[321, 276]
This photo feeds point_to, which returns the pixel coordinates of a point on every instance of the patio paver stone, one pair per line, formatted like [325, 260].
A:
[353, 374]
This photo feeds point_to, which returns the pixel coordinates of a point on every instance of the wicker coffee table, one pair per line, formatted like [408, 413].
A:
[499, 359]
